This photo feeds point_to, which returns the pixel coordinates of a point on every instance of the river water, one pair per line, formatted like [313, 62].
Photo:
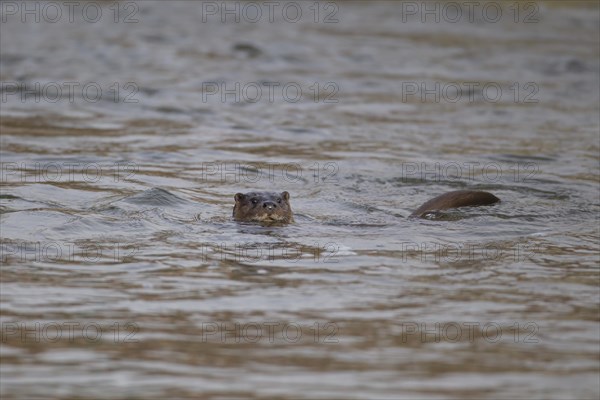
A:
[128, 127]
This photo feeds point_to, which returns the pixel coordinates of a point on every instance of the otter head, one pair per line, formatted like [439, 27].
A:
[265, 207]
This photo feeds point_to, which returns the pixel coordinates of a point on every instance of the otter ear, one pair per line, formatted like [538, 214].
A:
[238, 197]
[285, 195]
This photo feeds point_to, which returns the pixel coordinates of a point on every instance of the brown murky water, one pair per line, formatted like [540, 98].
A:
[128, 127]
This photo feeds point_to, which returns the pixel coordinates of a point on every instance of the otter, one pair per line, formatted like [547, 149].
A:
[265, 207]
[270, 207]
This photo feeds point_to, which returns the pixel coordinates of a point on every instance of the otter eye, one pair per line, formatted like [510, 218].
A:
[279, 200]
[254, 201]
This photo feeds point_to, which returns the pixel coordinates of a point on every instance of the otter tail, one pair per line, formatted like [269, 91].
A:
[458, 198]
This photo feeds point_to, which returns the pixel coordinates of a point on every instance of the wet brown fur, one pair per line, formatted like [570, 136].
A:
[265, 207]
[456, 199]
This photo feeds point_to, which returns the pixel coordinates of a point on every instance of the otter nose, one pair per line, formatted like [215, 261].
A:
[269, 205]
